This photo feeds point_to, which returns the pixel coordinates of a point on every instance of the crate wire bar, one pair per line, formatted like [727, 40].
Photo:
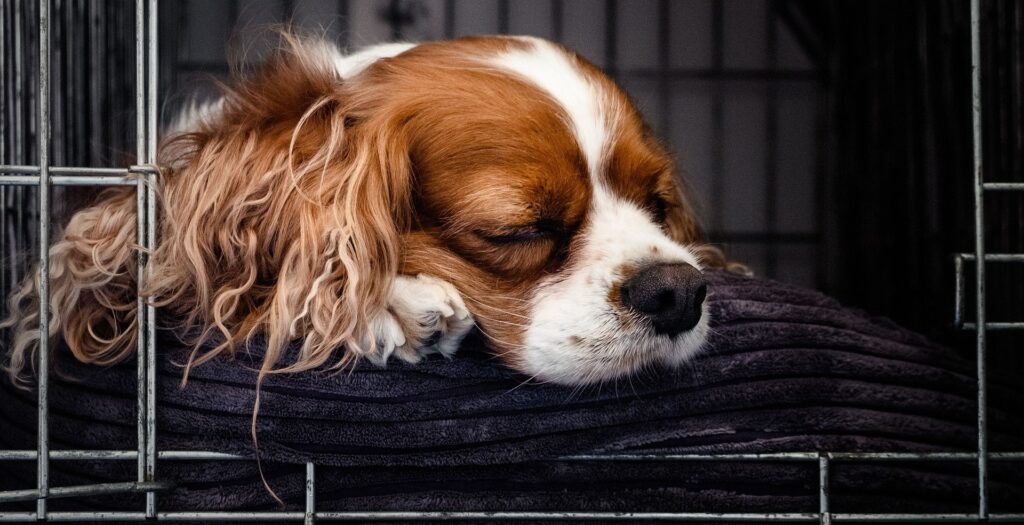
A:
[43, 138]
[144, 176]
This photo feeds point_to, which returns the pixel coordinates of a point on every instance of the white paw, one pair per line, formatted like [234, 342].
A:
[425, 315]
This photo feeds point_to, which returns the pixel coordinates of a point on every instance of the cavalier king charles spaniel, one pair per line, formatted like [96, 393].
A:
[381, 204]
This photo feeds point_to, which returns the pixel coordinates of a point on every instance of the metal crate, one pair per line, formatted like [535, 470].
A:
[144, 176]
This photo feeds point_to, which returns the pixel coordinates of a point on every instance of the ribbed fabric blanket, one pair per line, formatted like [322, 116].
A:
[786, 369]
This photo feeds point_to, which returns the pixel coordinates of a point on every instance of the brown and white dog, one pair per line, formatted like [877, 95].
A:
[386, 201]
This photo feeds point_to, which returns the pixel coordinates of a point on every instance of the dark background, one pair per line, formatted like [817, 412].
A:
[827, 143]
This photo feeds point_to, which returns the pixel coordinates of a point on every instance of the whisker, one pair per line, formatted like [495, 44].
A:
[507, 344]
[489, 308]
[524, 382]
[502, 321]
[507, 297]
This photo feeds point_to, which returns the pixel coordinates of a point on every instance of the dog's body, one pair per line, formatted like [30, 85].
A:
[385, 201]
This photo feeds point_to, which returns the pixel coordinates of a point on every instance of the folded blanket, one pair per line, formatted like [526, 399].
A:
[786, 369]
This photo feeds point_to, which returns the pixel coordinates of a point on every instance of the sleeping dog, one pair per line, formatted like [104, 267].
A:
[380, 204]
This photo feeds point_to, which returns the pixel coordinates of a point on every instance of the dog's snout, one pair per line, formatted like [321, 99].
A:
[669, 295]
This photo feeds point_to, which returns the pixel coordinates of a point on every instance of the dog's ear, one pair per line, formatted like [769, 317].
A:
[281, 208]
[285, 216]
[371, 210]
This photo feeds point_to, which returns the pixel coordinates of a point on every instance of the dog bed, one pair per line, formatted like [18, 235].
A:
[786, 369]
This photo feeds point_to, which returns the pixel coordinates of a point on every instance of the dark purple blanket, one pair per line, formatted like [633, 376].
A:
[786, 369]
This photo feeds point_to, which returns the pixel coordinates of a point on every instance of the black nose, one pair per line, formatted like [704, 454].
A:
[669, 295]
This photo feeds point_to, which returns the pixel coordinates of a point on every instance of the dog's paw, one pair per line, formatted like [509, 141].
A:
[425, 315]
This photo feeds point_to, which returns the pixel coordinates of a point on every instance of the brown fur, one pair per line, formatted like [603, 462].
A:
[290, 215]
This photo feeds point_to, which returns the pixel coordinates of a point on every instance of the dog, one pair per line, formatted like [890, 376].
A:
[381, 204]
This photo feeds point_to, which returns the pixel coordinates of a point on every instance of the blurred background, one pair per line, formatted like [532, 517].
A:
[825, 143]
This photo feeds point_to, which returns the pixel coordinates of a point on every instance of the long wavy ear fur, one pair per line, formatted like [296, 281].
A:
[280, 216]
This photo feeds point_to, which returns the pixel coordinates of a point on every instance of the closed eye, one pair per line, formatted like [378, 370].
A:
[514, 238]
[539, 231]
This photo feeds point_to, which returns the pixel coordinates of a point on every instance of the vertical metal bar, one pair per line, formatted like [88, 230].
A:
[23, 108]
[19, 93]
[150, 319]
[18, 154]
[151, 81]
[310, 494]
[140, 232]
[979, 254]
[958, 306]
[825, 516]
[5, 131]
[96, 76]
[43, 145]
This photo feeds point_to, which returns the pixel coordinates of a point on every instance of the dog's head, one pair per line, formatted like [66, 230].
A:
[507, 166]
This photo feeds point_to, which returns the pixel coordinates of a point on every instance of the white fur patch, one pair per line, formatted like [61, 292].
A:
[194, 114]
[555, 72]
[576, 336]
[350, 65]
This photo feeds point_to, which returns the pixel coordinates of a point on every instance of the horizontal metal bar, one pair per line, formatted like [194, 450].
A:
[77, 170]
[534, 516]
[18, 175]
[800, 456]
[96, 489]
[19, 517]
[925, 518]
[62, 170]
[228, 516]
[231, 516]
[996, 326]
[18, 455]
[181, 455]
[1004, 186]
[200, 455]
[919, 456]
[242, 516]
[68, 180]
[995, 257]
[73, 516]
[781, 456]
